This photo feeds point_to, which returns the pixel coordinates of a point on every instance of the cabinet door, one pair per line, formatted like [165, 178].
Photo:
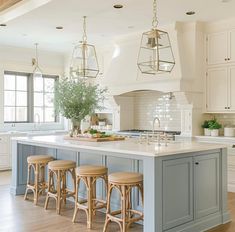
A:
[206, 184]
[231, 88]
[217, 48]
[217, 90]
[177, 192]
[231, 47]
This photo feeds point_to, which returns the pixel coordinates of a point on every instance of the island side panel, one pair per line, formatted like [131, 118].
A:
[152, 170]
[224, 194]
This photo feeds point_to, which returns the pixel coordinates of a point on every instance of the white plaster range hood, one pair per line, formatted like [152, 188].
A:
[121, 73]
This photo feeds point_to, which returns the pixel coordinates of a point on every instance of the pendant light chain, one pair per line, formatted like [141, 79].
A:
[155, 20]
[84, 37]
[36, 44]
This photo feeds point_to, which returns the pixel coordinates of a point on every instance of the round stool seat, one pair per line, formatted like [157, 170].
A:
[125, 178]
[91, 170]
[61, 164]
[36, 159]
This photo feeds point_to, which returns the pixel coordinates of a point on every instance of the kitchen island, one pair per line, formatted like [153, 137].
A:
[185, 183]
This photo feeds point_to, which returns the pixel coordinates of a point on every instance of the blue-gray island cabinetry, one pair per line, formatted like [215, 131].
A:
[185, 183]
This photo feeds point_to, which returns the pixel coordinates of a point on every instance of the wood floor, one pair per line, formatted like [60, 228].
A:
[17, 215]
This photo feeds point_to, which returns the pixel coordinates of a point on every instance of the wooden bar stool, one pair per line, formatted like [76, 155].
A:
[89, 175]
[124, 182]
[59, 169]
[37, 163]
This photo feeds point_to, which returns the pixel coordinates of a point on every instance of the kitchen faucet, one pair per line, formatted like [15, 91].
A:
[154, 121]
[159, 125]
[36, 122]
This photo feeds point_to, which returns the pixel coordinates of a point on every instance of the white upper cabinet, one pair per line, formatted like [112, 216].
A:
[217, 48]
[231, 50]
[231, 88]
[221, 48]
[220, 89]
[217, 94]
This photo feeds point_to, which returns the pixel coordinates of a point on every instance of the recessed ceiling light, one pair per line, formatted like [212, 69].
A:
[190, 13]
[130, 27]
[59, 28]
[3, 25]
[118, 6]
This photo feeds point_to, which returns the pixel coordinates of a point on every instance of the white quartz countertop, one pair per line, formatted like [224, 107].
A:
[218, 139]
[128, 146]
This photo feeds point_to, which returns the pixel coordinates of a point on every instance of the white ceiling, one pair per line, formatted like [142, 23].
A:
[104, 22]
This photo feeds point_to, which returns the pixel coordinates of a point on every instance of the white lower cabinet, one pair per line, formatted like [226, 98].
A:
[177, 204]
[5, 159]
[206, 177]
[195, 184]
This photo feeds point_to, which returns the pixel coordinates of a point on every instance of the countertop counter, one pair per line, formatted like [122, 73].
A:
[219, 139]
[128, 146]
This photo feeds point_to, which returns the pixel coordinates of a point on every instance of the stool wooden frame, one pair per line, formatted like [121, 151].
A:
[128, 215]
[91, 204]
[38, 167]
[60, 192]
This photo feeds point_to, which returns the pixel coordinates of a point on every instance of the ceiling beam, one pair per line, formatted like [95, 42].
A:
[16, 8]
[5, 4]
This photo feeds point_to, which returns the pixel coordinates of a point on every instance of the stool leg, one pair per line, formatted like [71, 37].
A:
[42, 179]
[76, 200]
[74, 180]
[50, 178]
[94, 196]
[89, 202]
[36, 183]
[58, 189]
[123, 208]
[129, 203]
[107, 220]
[28, 181]
[64, 185]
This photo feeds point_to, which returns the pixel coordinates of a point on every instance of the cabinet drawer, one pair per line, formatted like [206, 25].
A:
[4, 161]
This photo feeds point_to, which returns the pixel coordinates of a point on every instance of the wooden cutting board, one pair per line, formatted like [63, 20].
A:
[107, 139]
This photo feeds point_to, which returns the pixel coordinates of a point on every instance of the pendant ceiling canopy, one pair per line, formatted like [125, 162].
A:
[37, 72]
[155, 53]
[84, 60]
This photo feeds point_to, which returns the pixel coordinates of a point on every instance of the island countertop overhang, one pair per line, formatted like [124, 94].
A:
[128, 146]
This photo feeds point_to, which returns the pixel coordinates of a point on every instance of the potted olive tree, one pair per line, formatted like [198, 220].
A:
[205, 126]
[214, 127]
[76, 99]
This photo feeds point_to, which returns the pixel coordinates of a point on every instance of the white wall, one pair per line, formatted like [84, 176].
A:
[19, 59]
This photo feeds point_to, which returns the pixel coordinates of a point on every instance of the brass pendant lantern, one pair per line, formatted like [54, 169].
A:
[155, 54]
[84, 60]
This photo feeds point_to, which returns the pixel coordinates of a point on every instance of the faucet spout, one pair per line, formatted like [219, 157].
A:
[154, 121]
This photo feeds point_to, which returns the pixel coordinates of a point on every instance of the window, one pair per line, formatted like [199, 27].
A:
[28, 99]
[15, 98]
[44, 99]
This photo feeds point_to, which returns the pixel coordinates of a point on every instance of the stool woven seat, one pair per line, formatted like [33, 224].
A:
[125, 178]
[91, 170]
[39, 159]
[61, 164]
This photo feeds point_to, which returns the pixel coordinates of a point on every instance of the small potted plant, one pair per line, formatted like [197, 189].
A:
[205, 126]
[214, 127]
